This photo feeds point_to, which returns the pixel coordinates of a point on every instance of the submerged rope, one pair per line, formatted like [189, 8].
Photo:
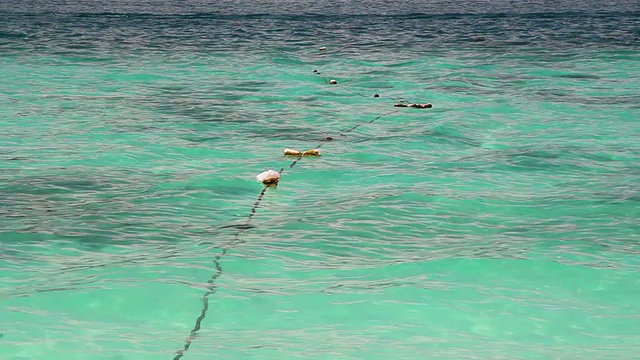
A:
[211, 287]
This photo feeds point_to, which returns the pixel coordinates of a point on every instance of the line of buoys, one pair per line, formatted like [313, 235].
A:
[270, 178]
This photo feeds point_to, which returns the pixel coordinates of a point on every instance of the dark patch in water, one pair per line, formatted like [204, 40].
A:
[11, 35]
[50, 186]
[301, 134]
[78, 185]
[249, 86]
[204, 139]
[577, 76]
[515, 43]
[238, 226]
[541, 154]
[443, 134]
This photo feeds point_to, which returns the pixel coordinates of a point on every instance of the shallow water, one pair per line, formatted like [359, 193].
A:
[501, 223]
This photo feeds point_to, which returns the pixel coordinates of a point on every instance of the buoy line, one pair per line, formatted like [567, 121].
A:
[271, 178]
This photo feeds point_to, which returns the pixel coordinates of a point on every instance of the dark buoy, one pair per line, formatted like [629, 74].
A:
[332, 82]
[423, 106]
[315, 71]
[329, 138]
[376, 95]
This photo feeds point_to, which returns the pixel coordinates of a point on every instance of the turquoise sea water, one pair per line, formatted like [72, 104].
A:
[503, 223]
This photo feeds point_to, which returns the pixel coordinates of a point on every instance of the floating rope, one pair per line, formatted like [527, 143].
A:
[211, 286]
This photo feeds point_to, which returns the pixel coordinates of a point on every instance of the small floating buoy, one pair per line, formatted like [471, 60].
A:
[312, 152]
[315, 71]
[332, 82]
[329, 138]
[421, 106]
[323, 48]
[418, 106]
[292, 152]
[269, 177]
[376, 95]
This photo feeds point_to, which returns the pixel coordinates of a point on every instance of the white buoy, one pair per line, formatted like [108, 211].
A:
[269, 177]
[292, 152]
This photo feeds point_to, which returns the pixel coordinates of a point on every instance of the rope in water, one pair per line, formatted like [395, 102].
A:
[211, 287]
